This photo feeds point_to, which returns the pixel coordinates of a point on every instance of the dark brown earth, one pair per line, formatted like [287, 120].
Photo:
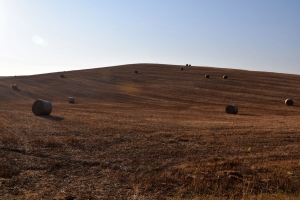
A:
[161, 133]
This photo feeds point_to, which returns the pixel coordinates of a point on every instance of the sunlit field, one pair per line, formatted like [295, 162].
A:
[161, 133]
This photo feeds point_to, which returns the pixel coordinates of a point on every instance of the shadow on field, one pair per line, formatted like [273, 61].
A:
[244, 114]
[54, 118]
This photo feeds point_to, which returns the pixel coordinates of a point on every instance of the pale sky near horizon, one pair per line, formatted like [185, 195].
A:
[42, 36]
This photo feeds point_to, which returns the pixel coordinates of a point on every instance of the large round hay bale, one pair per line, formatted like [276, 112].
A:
[181, 68]
[71, 100]
[225, 77]
[206, 75]
[232, 109]
[15, 87]
[289, 102]
[41, 107]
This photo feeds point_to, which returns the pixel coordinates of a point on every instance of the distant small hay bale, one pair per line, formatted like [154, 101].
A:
[225, 77]
[190, 65]
[206, 75]
[181, 68]
[232, 109]
[289, 102]
[41, 107]
[62, 76]
[71, 100]
[136, 71]
[187, 65]
[15, 87]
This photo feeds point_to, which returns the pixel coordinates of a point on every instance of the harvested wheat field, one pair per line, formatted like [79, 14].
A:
[161, 133]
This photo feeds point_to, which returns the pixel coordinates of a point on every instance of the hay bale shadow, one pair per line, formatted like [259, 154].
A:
[138, 72]
[50, 117]
[244, 114]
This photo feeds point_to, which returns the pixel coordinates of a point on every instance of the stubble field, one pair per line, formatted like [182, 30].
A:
[161, 133]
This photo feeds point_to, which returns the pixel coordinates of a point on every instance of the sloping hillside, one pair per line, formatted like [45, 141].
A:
[156, 134]
[156, 82]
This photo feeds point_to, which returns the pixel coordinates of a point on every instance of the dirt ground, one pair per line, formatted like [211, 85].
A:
[161, 133]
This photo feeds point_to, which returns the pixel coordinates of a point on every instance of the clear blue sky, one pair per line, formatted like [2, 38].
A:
[41, 36]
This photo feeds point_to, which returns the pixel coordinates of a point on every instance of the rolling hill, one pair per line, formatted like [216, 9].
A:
[161, 133]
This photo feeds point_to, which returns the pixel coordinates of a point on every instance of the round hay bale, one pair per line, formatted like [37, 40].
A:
[41, 107]
[15, 87]
[136, 71]
[62, 76]
[190, 65]
[225, 77]
[187, 65]
[181, 68]
[206, 75]
[232, 109]
[71, 100]
[289, 102]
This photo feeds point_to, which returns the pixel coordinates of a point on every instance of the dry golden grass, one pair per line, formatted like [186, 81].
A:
[160, 134]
